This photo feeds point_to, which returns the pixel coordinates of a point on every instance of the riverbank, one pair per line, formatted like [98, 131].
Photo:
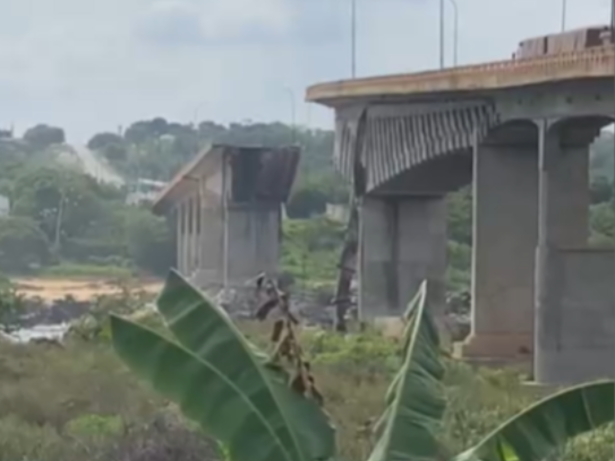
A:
[79, 402]
[85, 288]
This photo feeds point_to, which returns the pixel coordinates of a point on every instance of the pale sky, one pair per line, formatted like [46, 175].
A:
[92, 65]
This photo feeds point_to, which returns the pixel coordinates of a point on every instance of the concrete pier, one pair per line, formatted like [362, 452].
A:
[227, 203]
[575, 294]
[402, 243]
[254, 239]
[505, 193]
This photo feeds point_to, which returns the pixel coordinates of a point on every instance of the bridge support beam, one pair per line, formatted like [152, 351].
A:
[254, 240]
[179, 238]
[194, 235]
[575, 299]
[252, 233]
[402, 243]
[505, 195]
[185, 236]
[506, 226]
[210, 269]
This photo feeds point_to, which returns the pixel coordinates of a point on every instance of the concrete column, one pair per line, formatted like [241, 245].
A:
[402, 243]
[185, 237]
[179, 237]
[189, 241]
[210, 248]
[566, 188]
[575, 305]
[199, 230]
[194, 256]
[254, 240]
[505, 194]
[506, 228]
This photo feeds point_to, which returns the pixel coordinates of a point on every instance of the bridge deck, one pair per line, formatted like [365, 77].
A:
[592, 63]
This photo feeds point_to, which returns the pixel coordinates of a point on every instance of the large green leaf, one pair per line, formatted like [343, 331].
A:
[206, 333]
[546, 426]
[250, 431]
[205, 329]
[415, 400]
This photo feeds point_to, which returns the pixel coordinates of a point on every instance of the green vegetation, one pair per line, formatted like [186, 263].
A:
[275, 399]
[77, 400]
[62, 223]
[311, 250]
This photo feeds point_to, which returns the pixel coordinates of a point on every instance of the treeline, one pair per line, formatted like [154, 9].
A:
[59, 215]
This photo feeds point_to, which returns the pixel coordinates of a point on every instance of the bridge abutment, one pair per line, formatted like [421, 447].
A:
[402, 243]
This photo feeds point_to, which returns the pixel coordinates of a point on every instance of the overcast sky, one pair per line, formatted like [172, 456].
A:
[92, 65]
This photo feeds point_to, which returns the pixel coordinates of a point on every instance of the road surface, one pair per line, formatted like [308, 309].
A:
[95, 167]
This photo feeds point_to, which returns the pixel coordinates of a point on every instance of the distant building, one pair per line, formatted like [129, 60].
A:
[5, 206]
[144, 190]
[337, 213]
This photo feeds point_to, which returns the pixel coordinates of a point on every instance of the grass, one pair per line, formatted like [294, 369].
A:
[73, 270]
[79, 402]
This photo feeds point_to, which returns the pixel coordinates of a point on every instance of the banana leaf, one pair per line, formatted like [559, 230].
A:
[228, 391]
[192, 317]
[205, 329]
[415, 400]
[231, 414]
[543, 428]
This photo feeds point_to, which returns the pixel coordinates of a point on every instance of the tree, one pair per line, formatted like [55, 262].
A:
[62, 202]
[22, 245]
[601, 156]
[115, 152]
[143, 130]
[101, 140]
[460, 216]
[149, 241]
[42, 136]
[306, 202]
[602, 220]
[601, 189]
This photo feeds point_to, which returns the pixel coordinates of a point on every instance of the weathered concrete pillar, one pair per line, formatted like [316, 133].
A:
[253, 240]
[189, 233]
[505, 194]
[179, 237]
[185, 237]
[575, 296]
[402, 243]
[194, 229]
[211, 248]
[199, 229]
[506, 228]
[564, 184]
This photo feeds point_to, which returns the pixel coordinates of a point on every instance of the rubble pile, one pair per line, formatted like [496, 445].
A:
[317, 309]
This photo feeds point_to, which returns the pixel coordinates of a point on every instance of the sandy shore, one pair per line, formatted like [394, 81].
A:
[80, 289]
